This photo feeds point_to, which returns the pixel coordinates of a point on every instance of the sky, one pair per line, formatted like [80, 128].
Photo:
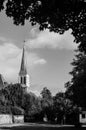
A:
[48, 55]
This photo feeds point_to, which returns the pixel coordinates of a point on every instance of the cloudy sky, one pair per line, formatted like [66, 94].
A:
[48, 55]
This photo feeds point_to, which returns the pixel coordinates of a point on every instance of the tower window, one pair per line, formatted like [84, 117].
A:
[83, 115]
[24, 80]
[21, 79]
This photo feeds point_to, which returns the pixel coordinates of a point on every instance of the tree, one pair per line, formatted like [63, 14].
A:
[15, 94]
[4, 107]
[65, 111]
[11, 99]
[32, 107]
[62, 107]
[76, 88]
[56, 15]
[47, 103]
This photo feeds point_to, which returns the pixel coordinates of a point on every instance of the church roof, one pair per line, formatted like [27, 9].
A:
[23, 69]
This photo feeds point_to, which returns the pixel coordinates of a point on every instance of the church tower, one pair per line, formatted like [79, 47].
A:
[23, 75]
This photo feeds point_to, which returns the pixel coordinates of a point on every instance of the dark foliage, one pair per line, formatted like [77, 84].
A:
[64, 108]
[32, 107]
[17, 110]
[11, 99]
[47, 103]
[76, 88]
[56, 15]
[58, 108]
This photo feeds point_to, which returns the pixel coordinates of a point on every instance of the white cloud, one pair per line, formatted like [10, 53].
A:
[10, 60]
[40, 61]
[33, 32]
[51, 40]
[33, 59]
[37, 93]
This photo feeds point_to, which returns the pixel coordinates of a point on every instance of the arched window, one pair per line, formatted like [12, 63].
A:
[21, 79]
[24, 80]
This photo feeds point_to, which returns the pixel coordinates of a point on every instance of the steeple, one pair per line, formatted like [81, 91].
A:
[23, 75]
[23, 69]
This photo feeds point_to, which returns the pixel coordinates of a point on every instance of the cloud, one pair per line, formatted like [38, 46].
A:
[40, 61]
[37, 93]
[10, 60]
[33, 32]
[34, 59]
[51, 40]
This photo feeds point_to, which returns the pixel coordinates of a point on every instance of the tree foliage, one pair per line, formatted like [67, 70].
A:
[15, 101]
[56, 15]
[63, 107]
[15, 94]
[17, 110]
[76, 88]
[47, 103]
[32, 107]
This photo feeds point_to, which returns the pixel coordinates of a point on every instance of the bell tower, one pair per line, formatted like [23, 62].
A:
[23, 75]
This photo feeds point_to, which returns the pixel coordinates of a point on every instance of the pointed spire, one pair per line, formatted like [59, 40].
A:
[23, 70]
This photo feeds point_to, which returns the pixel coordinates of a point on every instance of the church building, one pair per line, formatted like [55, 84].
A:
[24, 79]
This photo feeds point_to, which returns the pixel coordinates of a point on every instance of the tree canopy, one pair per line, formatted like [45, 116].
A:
[58, 108]
[56, 15]
[76, 88]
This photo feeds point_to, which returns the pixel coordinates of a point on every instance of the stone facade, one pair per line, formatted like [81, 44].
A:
[7, 119]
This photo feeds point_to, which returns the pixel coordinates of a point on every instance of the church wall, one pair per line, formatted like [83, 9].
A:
[27, 81]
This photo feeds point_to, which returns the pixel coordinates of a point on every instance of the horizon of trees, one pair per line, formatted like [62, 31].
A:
[56, 109]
